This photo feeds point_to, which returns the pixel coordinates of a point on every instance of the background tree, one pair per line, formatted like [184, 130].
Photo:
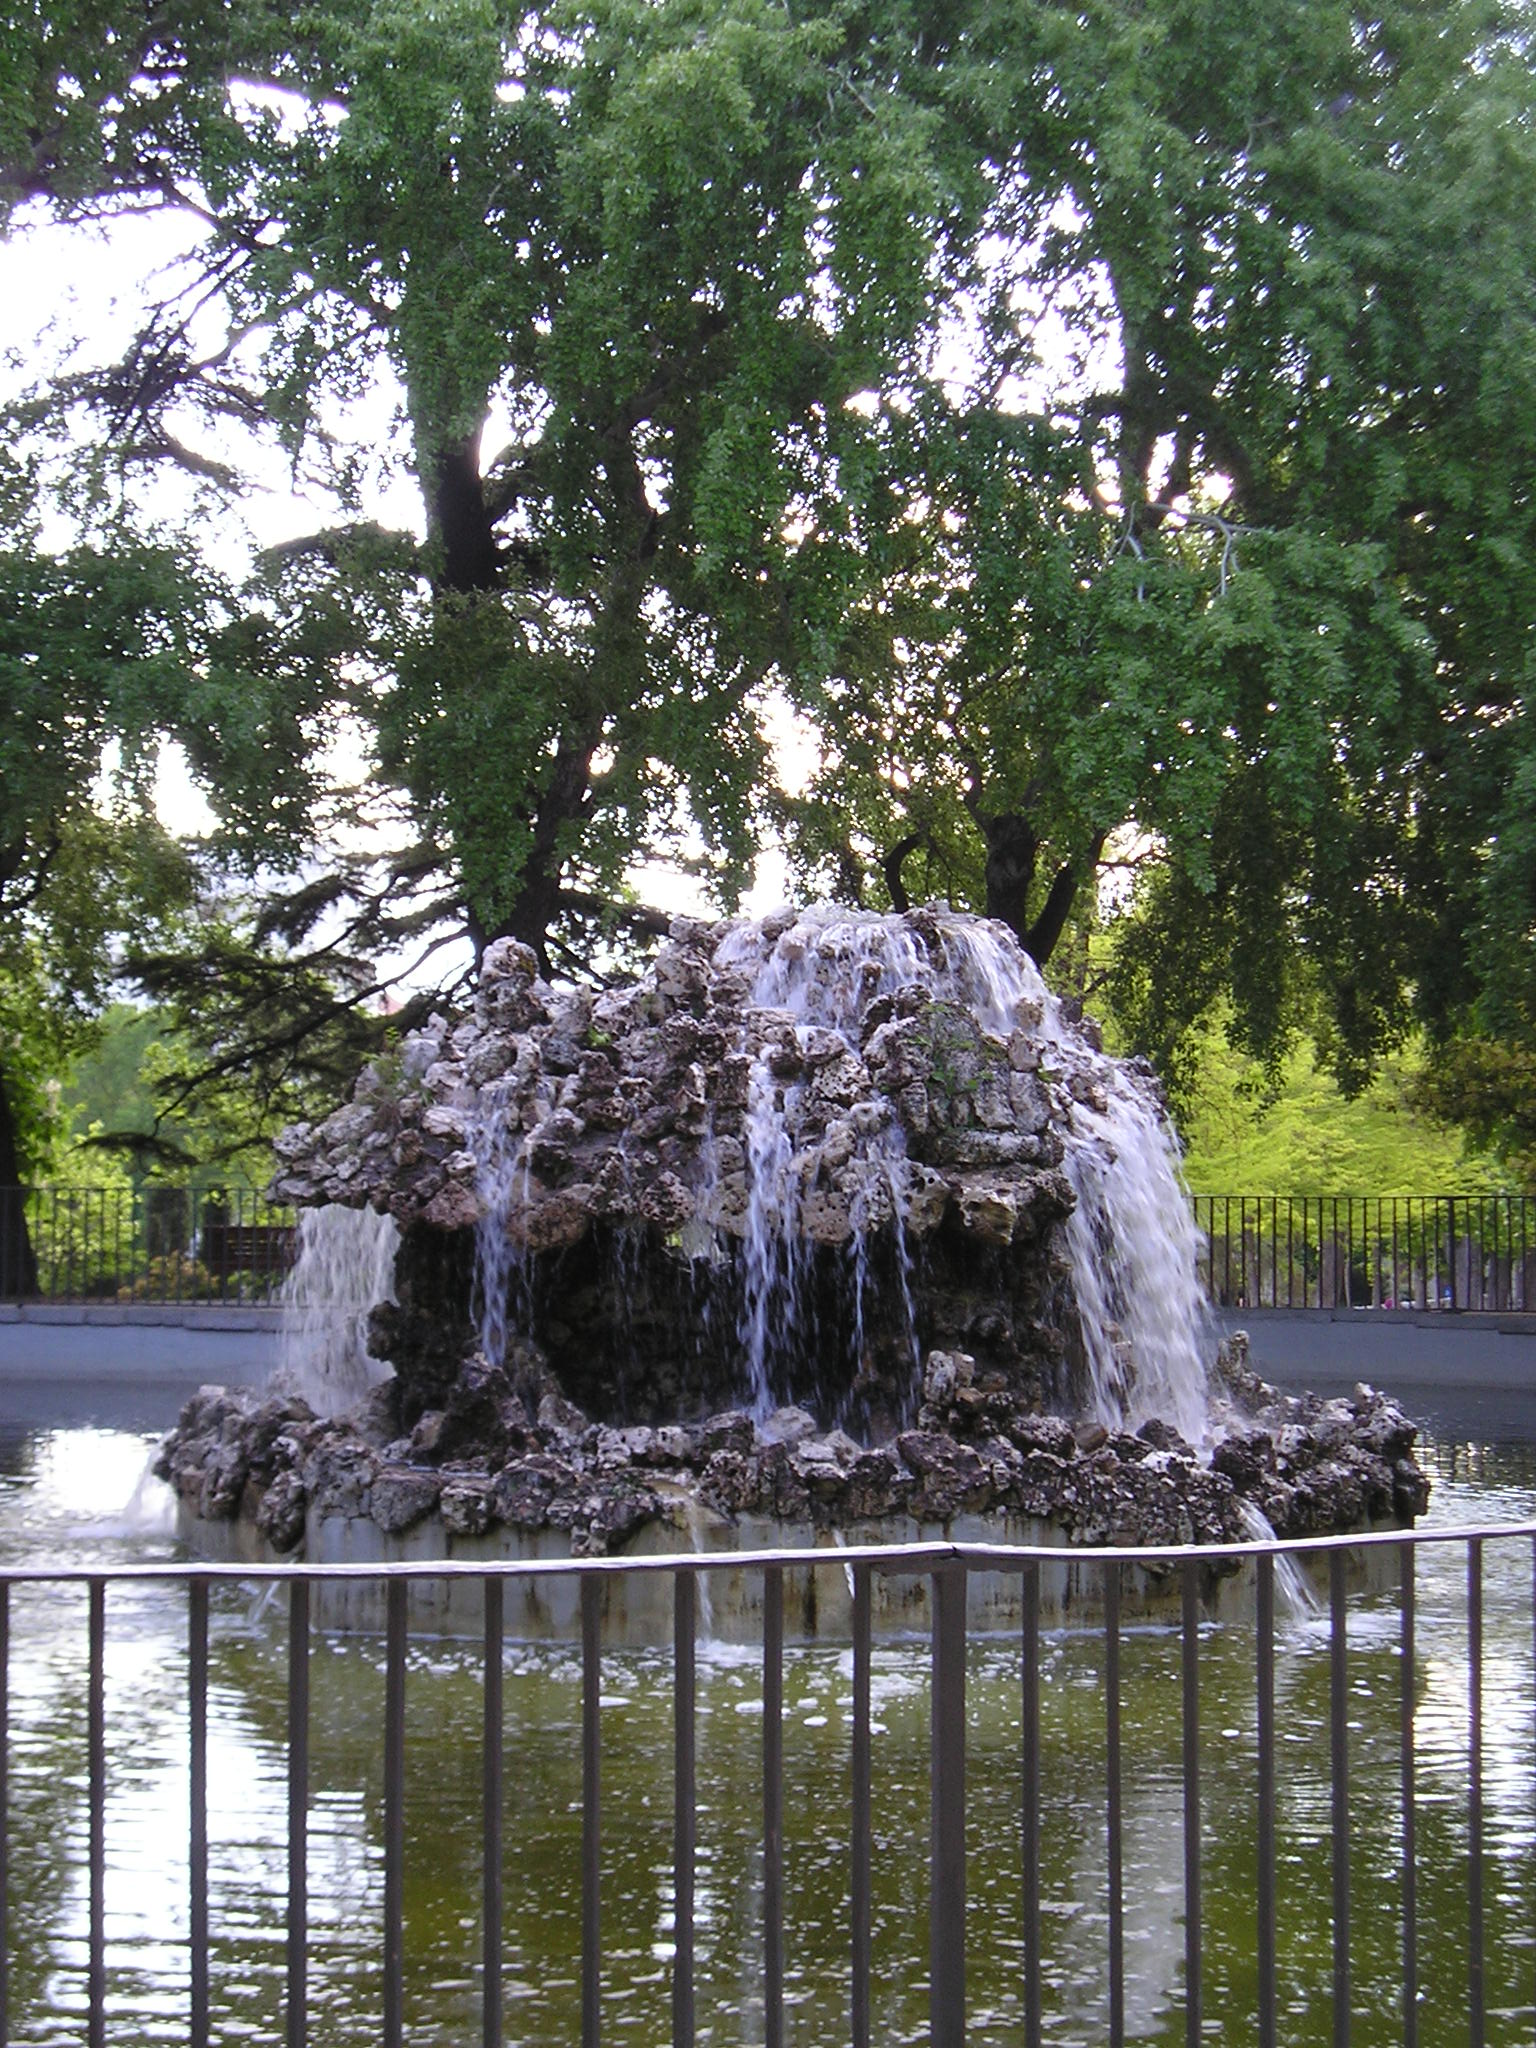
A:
[1246, 601]
[87, 652]
[1110, 431]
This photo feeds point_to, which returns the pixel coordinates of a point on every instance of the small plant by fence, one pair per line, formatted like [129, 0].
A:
[153, 1244]
[1443, 1252]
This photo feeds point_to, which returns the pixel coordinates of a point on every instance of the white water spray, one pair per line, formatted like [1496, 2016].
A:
[1131, 1239]
[346, 1265]
[501, 1156]
[1298, 1598]
[771, 1245]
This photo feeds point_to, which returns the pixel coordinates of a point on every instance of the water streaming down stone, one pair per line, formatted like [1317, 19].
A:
[862, 1176]
[1145, 1327]
[345, 1266]
[499, 1148]
[790, 1161]
[1297, 1598]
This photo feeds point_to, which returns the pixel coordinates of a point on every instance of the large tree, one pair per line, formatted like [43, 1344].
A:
[1110, 428]
[619, 269]
[1245, 604]
[113, 641]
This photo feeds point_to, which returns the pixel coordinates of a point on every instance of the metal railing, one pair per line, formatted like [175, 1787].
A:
[947, 1568]
[157, 1244]
[1440, 1252]
[167, 1245]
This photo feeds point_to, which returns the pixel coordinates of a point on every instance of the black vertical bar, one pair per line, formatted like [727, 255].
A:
[197, 1775]
[683, 1595]
[298, 1812]
[591, 1813]
[1379, 1249]
[5, 1808]
[1266, 1733]
[394, 1813]
[1242, 1250]
[96, 1721]
[1410, 1867]
[1290, 1250]
[1349, 1266]
[1487, 1224]
[862, 1859]
[1425, 1226]
[946, 1911]
[1030, 1745]
[491, 1796]
[773, 1810]
[1190, 1661]
[1475, 1793]
[1338, 1726]
[1113, 1815]
[1226, 1253]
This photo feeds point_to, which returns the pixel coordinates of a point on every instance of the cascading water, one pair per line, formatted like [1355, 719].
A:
[809, 988]
[500, 1151]
[770, 1245]
[1298, 1600]
[1132, 1239]
[865, 1166]
[346, 1264]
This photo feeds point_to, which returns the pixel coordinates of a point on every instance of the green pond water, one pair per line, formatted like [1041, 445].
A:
[62, 1498]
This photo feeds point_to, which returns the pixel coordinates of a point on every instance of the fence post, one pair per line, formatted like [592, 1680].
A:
[946, 1912]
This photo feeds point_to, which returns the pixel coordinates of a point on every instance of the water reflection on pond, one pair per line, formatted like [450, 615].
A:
[56, 1488]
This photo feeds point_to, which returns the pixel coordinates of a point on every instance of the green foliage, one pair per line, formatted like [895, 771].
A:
[114, 1122]
[1487, 1087]
[1294, 1131]
[1214, 554]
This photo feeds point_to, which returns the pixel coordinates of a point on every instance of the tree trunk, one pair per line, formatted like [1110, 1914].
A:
[18, 1261]
[1013, 850]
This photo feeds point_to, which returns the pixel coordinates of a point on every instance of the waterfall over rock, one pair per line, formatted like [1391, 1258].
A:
[829, 1222]
[345, 1266]
[795, 1157]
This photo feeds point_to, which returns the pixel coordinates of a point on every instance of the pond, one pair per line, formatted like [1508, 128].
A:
[78, 1494]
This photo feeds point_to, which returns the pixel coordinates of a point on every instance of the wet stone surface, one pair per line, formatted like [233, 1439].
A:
[829, 1219]
[1308, 1466]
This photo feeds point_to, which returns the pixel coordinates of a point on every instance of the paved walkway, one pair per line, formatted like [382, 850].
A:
[126, 1367]
[1464, 1376]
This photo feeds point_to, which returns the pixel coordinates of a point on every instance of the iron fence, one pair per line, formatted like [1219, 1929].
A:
[172, 1244]
[1439, 1252]
[947, 1569]
[157, 1244]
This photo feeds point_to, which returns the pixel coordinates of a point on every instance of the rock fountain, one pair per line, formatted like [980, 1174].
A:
[832, 1223]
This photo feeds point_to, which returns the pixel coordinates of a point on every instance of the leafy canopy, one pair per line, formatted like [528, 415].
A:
[1111, 431]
